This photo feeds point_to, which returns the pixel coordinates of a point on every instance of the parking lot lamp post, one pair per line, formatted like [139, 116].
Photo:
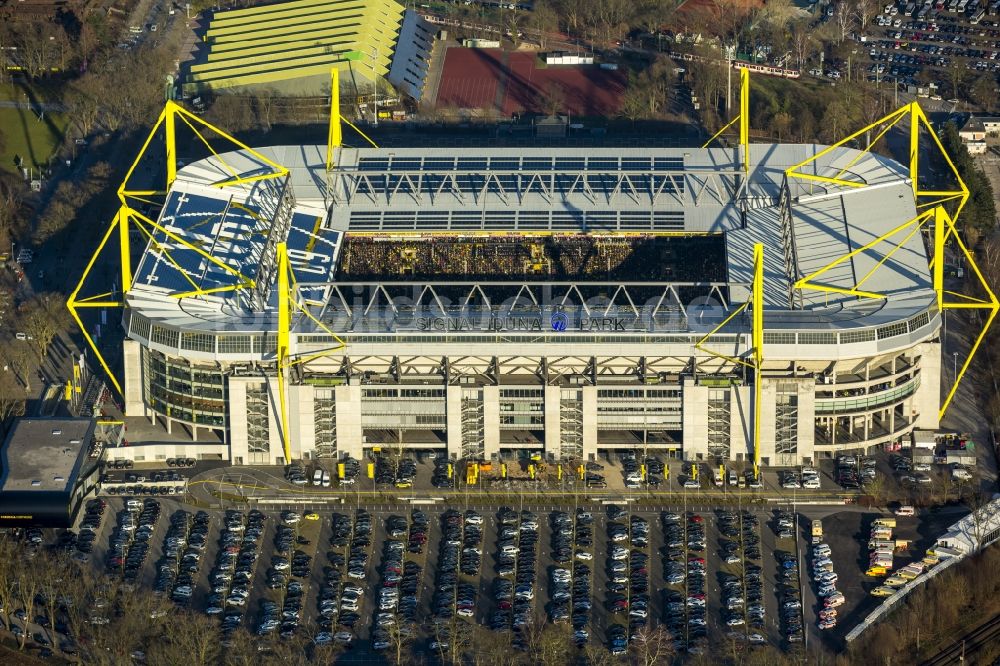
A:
[954, 364]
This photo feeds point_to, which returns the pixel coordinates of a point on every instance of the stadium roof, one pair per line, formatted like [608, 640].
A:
[593, 190]
[290, 41]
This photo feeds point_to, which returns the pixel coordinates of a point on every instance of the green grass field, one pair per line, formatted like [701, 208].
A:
[33, 139]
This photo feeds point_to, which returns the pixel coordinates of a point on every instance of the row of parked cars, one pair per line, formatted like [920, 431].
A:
[130, 538]
[517, 545]
[826, 585]
[183, 546]
[561, 577]
[684, 567]
[807, 478]
[443, 475]
[231, 576]
[90, 525]
[742, 594]
[400, 581]
[340, 599]
[852, 471]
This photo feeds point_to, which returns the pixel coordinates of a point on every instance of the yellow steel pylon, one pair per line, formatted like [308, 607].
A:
[168, 121]
[288, 304]
[934, 212]
[744, 120]
[334, 136]
[126, 217]
[756, 305]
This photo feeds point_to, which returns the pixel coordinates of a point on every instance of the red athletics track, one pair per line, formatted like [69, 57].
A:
[472, 78]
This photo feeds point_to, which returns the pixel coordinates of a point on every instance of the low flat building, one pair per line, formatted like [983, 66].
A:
[46, 470]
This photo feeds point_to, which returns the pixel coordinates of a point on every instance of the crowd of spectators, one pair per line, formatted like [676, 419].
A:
[520, 257]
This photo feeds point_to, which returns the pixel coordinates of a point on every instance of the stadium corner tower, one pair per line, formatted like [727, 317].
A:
[567, 302]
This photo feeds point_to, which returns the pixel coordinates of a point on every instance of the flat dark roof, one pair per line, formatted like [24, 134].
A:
[44, 454]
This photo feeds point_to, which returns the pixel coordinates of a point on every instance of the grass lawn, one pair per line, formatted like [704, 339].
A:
[33, 139]
[41, 91]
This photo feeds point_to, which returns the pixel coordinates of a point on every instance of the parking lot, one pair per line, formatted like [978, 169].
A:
[913, 50]
[366, 576]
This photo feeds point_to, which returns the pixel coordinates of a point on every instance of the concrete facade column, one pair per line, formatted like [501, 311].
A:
[347, 412]
[302, 420]
[768, 426]
[589, 416]
[553, 422]
[453, 420]
[491, 421]
[238, 438]
[927, 398]
[741, 423]
[806, 435]
[132, 359]
[694, 420]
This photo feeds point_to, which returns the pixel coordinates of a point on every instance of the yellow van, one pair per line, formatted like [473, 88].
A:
[883, 591]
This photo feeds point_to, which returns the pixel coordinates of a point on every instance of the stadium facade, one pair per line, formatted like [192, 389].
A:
[487, 302]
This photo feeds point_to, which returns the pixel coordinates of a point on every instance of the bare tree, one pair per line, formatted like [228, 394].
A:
[843, 17]
[803, 44]
[192, 639]
[44, 318]
[264, 101]
[863, 11]
[22, 361]
[653, 646]
[28, 582]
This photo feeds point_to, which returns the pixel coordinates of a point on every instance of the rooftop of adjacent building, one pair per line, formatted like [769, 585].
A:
[44, 454]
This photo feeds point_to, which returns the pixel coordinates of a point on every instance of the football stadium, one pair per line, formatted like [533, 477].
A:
[775, 304]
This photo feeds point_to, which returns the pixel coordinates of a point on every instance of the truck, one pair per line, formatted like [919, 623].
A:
[884, 522]
[881, 544]
[817, 531]
[876, 571]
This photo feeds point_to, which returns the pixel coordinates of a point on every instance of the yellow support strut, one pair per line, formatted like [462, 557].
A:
[757, 337]
[334, 136]
[284, 341]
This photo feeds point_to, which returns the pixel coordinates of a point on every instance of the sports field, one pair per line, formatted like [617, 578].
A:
[510, 82]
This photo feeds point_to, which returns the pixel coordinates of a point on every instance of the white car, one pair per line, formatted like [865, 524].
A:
[317, 477]
[584, 555]
[812, 484]
[326, 479]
